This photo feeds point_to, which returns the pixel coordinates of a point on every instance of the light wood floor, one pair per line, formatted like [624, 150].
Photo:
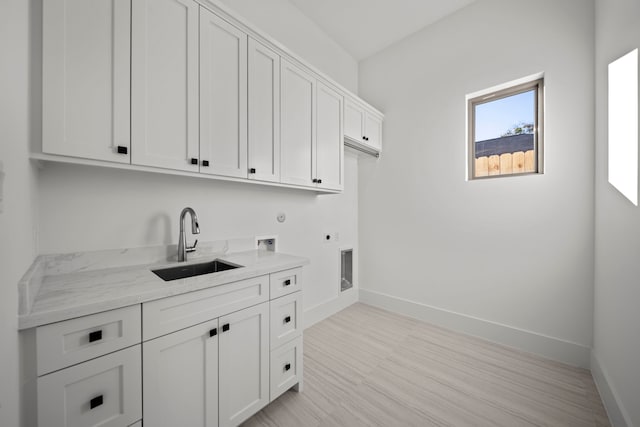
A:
[369, 367]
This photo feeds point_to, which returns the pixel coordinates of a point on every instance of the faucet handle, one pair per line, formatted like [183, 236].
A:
[192, 248]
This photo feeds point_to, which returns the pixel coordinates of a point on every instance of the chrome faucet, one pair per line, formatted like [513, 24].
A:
[182, 239]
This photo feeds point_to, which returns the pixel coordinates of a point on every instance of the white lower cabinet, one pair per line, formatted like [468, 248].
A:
[208, 358]
[213, 374]
[286, 368]
[180, 378]
[244, 364]
[286, 318]
[104, 392]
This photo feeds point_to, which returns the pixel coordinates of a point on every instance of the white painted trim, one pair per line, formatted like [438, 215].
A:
[328, 308]
[550, 347]
[618, 416]
[506, 85]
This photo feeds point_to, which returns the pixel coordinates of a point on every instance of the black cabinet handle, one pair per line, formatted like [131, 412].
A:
[314, 180]
[194, 161]
[122, 149]
[319, 181]
[286, 282]
[213, 332]
[95, 336]
[287, 367]
[252, 170]
[287, 319]
[225, 327]
[205, 163]
[96, 401]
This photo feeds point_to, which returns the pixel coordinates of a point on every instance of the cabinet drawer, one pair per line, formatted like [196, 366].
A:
[170, 314]
[286, 318]
[67, 343]
[286, 282]
[286, 367]
[102, 392]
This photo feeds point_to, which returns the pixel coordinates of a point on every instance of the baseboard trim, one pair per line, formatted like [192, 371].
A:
[326, 309]
[552, 348]
[616, 412]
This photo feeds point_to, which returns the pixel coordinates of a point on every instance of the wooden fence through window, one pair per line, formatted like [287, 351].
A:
[506, 164]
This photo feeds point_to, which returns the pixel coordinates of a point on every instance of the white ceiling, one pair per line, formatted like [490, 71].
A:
[365, 27]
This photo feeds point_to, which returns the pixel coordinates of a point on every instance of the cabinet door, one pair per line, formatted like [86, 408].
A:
[353, 121]
[105, 392]
[223, 97]
[297, 125]
[85, 87]
[373, 131]
[180, 378]
[329, 140]
[164, 84]
[264, 113]
[244, 364]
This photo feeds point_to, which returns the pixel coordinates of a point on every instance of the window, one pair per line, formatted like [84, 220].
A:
[623, 125]
[505, 130]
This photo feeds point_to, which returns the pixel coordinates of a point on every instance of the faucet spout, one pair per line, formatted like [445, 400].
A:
[183, 248]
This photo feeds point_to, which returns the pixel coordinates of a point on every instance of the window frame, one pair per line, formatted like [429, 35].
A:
[491, 95]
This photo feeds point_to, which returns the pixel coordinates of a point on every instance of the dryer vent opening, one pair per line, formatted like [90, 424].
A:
[346, 269]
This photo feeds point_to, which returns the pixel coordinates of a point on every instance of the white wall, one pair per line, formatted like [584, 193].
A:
[616, 353]
[287, 24]
[516, 252]
[84, 208]
[18, 200]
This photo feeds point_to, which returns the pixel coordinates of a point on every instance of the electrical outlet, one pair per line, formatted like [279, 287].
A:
[331, 237]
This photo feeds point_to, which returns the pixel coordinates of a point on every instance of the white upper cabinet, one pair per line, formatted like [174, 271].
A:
[329, 160]
[373, 130]
[353, 121]
[187, 86]
[264, 113]
[164, 84]
[85, 86]
[223, 97]
[362, 125]
[297, 125]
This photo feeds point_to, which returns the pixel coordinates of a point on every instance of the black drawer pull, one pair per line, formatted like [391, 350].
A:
[96, 401]
[122, 149]
[287, 319]
[213, 332]
[252, 170]
[319, 181]
[194, 161]
[286, 282]
[95, 336]
[225, 327]
[205, 163]
[287, 367]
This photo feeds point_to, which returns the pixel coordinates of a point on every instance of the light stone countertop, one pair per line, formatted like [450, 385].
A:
[62, 287]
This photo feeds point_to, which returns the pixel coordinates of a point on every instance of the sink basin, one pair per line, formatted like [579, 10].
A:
[191, 270]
